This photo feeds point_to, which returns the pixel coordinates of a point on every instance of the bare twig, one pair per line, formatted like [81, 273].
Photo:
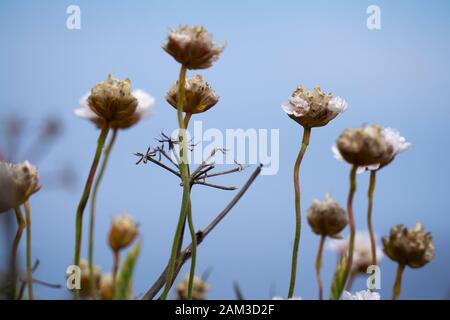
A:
[238, 291]
[162, 165]
[201, 235]
[214, 185]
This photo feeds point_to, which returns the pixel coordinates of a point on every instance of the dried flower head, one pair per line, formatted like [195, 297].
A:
[327, 218]
[362, 255]
[361, 295]
[313, 108]
[112, 103]
[370, 142]
[199, 289]
[123, 232]
[199, 96]
[17, 183]
[85, 290]
[412, 247]
[193, 47]
[106, 287]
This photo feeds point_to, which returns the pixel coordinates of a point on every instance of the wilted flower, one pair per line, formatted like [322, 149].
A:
[199, 289]
[123, 232]
[107, 287]
[370, 147]
[327, 218]
[199, 96]
[85, 289]
[362, 255]
[193, 47]
[313, 108]
[360, 295]
[113, 103]
[412, 247]
[17, 183]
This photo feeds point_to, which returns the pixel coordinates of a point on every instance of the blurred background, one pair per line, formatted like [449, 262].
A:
[397, 76]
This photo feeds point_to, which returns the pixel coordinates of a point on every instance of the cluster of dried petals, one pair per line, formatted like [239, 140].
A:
[313, 108]
[361, 295]
[17, 183]
[412, 247]
[193, 47]
[107, 287]
[85, 289]
[123, 232]
[327, 218]
[199, 96]
[199, 289]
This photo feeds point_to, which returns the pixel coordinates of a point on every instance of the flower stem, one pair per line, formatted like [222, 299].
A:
[193, 251]
[86, 192]
[319, 265]
[398, 282]
[351, 223]
[115, 270]
[305, 142]
[184, 170]
[98, 180]
[15, 247]
[373, 246]
[29, 266]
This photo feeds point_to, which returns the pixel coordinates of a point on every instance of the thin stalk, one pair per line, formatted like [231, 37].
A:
[305, 142]
[398, 282]
[115, 270]
[85, 196]
[184, 171]
[97, 182]
[351, 223]
[193, 252]
[29, 262]
[373, 245]
[319, 266]
[15, 247]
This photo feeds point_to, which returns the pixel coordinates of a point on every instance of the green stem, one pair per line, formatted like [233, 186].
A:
[115, 270]
[15, 247]
[97, 182]
[29, 266]
[319, 265]
[193, 251]
[351, 223]
[184, 170]
[398, 282]
[305, 142]
[86, 192]
[373, 245]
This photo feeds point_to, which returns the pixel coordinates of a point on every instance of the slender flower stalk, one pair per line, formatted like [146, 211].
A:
[305, 142]
[351, 223]
[15, 247]
[29, 262]
[116, 264]
[373, 244]
[97, 183]
[319, 266]
[86, 193]
[398, 281]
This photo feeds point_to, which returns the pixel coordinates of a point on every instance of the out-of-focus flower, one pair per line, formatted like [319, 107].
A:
[123, 232]
[199, 289]
[106, 287]
[193, 47]
[112, 102]
[281, 298]
[17, 183]
[85, 289]
[361, 295]
[313, 108]
[327, 218]
[362, 255]
[412, 247]
[199, 96]
[386, 144]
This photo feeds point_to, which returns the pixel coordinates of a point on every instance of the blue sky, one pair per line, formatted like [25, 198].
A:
[397, 76]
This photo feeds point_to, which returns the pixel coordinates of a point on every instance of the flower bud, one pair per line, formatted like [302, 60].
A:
[326, 218]
[123, 232]
[199, 289]
[193, 47]
[365, 146]
[411, 247]
[107, 287]
[85, 290]
[17, 183]
[199, 96]
[313, 108]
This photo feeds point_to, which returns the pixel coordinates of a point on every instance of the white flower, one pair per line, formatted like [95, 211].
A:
[361, 295]
[337, 155]
[281, 298]
[337, 104]
[362, 254]
[398, 143]
[296, 106]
